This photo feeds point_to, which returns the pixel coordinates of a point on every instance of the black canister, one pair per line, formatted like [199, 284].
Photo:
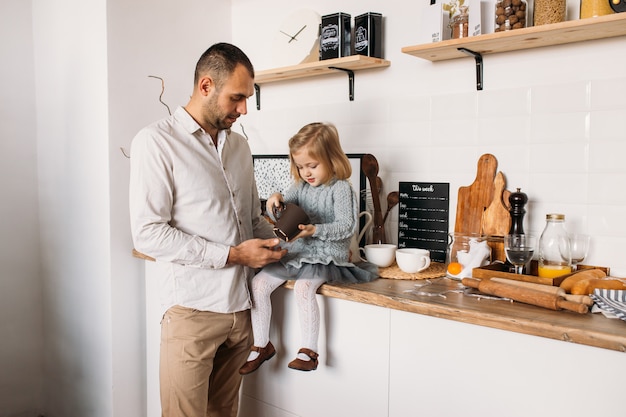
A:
[368, 35]
[335, 36]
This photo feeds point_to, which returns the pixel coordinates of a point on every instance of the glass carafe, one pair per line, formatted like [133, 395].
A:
[555, 257]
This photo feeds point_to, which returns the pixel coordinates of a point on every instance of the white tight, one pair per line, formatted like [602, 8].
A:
[263, 285]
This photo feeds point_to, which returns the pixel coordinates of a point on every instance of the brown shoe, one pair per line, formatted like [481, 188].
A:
[265, 353]
[301, 365]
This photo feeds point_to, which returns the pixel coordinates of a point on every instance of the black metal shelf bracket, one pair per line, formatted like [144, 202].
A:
[257, 92]
[479, 66]
[350, 81]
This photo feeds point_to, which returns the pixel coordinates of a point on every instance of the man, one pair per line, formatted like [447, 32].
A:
[194, 208]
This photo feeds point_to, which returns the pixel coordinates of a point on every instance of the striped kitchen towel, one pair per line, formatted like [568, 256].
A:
[611, 301]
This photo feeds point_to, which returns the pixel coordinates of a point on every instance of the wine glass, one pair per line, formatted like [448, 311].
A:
[519, 250]
[579, 246]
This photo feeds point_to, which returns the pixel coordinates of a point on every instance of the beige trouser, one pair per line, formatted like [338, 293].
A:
[201, 353]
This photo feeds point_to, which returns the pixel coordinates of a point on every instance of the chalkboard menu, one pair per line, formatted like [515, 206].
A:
[423, 212]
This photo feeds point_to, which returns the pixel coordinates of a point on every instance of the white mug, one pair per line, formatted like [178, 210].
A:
[380, 254]
[411, 260]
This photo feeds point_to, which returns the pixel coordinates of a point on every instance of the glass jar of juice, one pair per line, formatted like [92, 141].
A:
[554, 248]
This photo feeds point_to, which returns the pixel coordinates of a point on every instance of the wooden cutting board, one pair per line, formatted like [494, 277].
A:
[496, 221]
[482, 207]
[475, 198]
[496, 218]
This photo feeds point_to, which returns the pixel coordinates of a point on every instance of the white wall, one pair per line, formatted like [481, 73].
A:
[553, 117]
[77, 90]
[71, 121]
[21, 331]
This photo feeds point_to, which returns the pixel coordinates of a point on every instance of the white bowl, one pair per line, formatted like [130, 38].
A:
[381, 254]
[411, 260]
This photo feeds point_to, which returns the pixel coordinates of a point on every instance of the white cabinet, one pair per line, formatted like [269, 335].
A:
[352, 378]
[380, 362]
[442, 367]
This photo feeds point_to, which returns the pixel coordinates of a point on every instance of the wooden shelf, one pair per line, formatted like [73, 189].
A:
[533, 37]
[313, 69]
[347, 64]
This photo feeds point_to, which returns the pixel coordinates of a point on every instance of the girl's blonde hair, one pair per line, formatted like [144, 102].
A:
[322, 141]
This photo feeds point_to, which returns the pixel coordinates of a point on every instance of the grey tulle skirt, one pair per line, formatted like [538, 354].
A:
[333, 274]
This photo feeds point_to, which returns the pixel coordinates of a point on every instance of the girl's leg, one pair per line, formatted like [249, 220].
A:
[263, 284]
[309, 312]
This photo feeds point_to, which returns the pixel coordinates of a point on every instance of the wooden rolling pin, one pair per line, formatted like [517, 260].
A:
[550, 289]
[525, 295]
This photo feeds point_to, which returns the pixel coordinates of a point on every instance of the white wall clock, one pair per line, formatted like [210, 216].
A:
[297, 39]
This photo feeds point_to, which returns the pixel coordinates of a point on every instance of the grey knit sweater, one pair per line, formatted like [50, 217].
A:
[332, 208]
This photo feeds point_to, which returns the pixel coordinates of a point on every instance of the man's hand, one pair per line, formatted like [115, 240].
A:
[256, 253]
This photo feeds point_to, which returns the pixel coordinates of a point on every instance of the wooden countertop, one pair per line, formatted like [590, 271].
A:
[422, 297]
[586, 329]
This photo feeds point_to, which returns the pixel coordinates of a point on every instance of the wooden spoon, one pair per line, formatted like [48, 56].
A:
[393, 198]
[369, 165]
[379, 183]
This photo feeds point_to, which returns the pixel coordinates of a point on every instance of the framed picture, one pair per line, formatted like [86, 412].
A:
[272, 175]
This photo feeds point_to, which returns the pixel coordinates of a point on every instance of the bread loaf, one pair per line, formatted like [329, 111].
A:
[587, 274]
[586, 286]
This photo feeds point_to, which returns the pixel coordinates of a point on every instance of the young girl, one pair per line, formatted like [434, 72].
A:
[320, 252]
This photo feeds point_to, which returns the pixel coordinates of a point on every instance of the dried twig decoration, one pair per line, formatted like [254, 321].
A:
[162, 91]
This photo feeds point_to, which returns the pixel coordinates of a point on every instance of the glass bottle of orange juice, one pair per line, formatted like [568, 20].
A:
[554, 248]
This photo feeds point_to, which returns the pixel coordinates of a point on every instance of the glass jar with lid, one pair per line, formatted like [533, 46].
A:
[548, 11]
[510, 15]
[460, 24]
[555, 257]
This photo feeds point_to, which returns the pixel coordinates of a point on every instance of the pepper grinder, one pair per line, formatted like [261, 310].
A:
[517, 200]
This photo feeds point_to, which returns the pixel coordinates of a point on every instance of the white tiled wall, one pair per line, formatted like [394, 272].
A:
[553, 117]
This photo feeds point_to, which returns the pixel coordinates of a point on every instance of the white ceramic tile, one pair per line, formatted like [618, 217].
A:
[369, 111]
[373, 136]
[607, 219]
[609, 251]
[337, 113]
[607, 157]
[503, 130]
[558, 127]
[408, 135]
[511, 159]
[560, 98]
[409, 110]
[402, 160]
[608, 94]
[576, 214]
[557, 158]
[453, 132]
[454, 106]
[511, 103]
[607, 189]
[607, 125]
[558, 188]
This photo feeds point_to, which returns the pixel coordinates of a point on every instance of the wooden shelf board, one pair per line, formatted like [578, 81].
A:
[533, 37]
[312, 69]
